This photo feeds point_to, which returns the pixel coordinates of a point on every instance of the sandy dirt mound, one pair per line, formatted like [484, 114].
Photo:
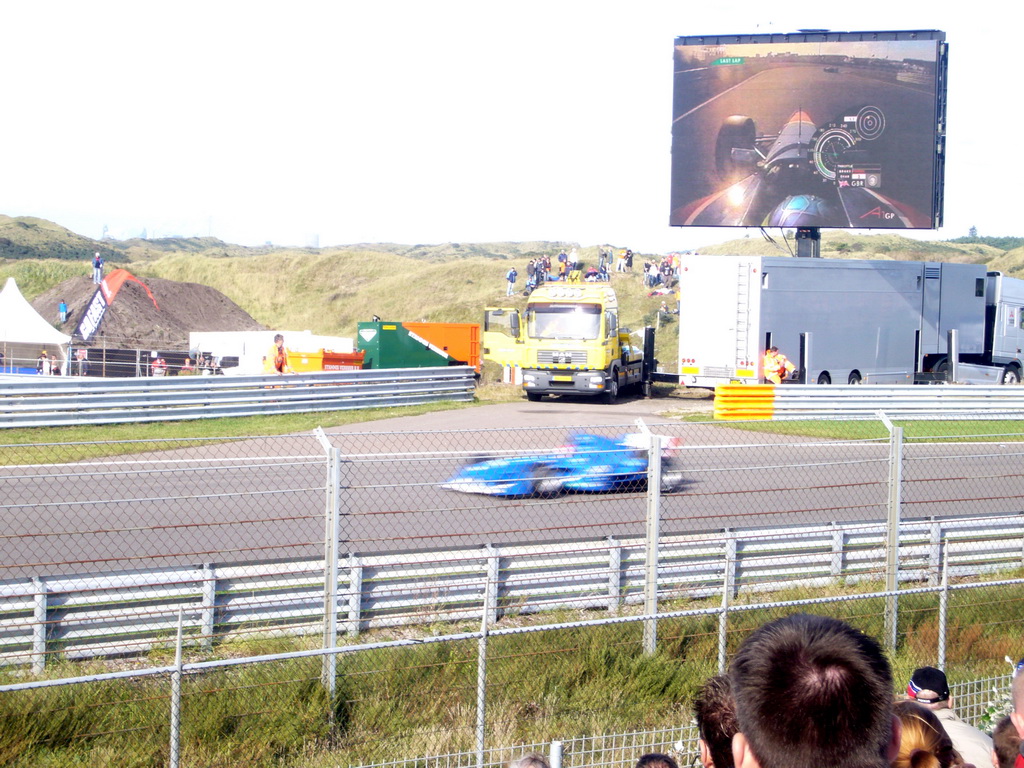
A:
[133, 321]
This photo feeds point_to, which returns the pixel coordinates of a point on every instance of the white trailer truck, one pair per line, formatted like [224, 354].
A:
[847, 322]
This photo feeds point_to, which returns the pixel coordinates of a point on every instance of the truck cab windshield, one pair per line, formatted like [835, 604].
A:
[563, 321]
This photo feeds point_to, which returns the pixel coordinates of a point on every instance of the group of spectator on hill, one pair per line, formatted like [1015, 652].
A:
[542, 270]
[660, 276]
[814, 692]
[661, 273]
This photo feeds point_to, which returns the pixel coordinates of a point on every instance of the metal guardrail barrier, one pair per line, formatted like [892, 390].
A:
[47, 401]
[808, 401]
[131, 612]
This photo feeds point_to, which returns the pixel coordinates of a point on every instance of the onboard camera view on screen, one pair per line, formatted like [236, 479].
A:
[841, 133]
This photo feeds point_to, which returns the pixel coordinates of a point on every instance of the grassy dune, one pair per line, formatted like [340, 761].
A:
[332, 291]
[34, 276]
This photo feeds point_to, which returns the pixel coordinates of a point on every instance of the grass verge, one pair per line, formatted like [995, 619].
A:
[59, 444]
[420, 699]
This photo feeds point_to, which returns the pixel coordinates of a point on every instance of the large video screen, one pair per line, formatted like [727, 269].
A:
[837, 130]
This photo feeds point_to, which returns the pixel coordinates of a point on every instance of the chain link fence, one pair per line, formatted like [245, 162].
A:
[367, 597]
[113, 358]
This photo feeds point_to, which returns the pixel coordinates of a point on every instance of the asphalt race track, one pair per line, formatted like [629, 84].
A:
[262, 499]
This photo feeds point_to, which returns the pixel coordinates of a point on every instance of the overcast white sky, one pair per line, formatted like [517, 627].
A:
[421, 122]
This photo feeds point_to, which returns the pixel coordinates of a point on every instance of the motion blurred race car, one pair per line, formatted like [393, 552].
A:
[806, 175]
[587, 463]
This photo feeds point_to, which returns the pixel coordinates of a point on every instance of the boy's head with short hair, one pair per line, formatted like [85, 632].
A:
[812, 691]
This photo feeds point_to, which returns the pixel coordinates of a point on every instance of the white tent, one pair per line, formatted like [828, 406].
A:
[24, 333]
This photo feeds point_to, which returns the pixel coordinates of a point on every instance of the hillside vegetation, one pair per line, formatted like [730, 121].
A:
[27, 237]
[329, 290]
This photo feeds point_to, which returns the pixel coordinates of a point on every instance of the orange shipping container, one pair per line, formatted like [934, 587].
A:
[460, 340]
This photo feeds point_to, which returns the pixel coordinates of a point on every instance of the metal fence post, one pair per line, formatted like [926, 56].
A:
[614, 575]
[892, 544]
[555, 755]
[943, 611]
[492, 571]
[838, 546]
[175, 745]
[934, 552]
[723, 631]
[481, 676]
[39, 626]
[728, 586]
[209, 608]
[355, 594]
[652, 540]
[328, 672]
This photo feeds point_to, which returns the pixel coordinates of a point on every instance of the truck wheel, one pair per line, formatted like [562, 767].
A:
[854, 378]
[824, 378]
[534, 397]
[1011, 375]
[611, 391]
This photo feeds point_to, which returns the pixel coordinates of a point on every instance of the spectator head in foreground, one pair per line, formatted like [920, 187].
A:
[530, 760]
[924, 743]
[716, 722]
[812, 692]
[656, 760]
[1005, 744]
[1017, 716]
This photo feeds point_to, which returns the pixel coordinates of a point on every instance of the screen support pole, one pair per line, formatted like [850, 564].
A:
[808, 242]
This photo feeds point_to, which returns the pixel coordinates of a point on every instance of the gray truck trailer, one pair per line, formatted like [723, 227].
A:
[847, 322]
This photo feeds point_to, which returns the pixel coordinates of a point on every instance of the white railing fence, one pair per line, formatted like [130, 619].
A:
[810, 401]
[49, 401]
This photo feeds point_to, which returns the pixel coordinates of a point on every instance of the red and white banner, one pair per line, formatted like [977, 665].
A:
[102, 299]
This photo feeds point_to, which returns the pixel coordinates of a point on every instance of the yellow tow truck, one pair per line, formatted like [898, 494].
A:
[570, 343]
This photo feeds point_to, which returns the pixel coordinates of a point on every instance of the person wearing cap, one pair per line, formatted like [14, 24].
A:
[929, 688]
[43, 363]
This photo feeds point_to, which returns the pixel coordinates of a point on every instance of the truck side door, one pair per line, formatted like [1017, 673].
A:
[502, 336]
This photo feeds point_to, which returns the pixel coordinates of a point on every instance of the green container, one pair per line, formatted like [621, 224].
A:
[392, 345]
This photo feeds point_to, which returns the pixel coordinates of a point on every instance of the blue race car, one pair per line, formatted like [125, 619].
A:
[587, 463]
